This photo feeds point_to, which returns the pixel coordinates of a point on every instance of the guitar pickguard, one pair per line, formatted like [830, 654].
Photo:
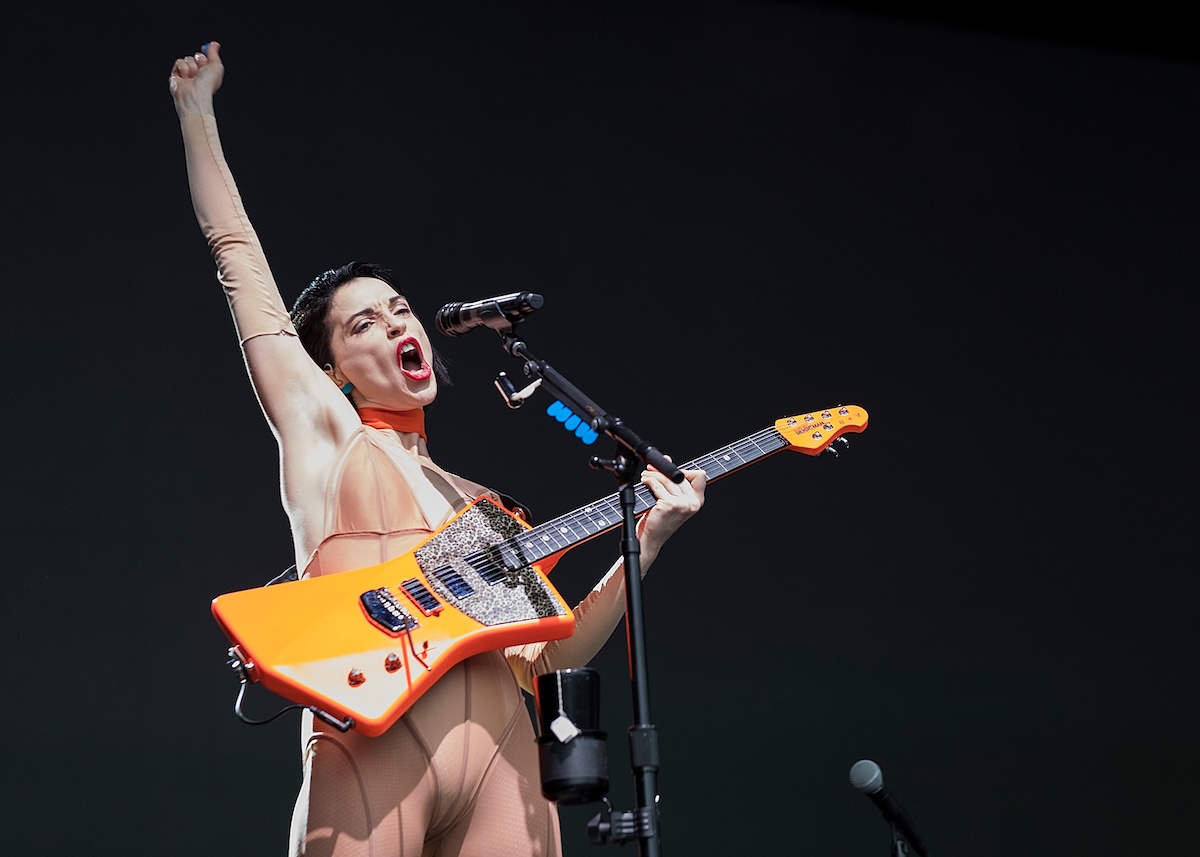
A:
[499, 594]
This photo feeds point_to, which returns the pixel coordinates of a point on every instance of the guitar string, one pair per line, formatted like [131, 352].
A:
[552, 533]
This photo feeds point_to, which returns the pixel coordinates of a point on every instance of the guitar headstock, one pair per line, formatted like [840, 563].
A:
[812, 433]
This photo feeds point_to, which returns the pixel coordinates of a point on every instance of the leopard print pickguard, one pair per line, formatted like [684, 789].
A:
[520, 595]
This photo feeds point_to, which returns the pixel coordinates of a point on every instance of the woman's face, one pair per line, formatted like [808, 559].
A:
[379, 346]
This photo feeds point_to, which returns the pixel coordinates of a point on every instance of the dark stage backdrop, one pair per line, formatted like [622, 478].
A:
[735, 211]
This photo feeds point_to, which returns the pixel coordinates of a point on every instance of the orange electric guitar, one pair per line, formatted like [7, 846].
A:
[363, 645]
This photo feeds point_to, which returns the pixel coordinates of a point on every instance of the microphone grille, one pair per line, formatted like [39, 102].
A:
[866, 776]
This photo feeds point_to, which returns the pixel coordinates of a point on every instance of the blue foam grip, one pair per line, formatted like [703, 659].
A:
[572, 422]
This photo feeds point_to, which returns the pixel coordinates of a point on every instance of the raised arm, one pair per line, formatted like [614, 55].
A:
[303, 407]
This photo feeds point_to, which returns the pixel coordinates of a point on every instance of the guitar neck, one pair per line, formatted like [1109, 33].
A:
[603, 515]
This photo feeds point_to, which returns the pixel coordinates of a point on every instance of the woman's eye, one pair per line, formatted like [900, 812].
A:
[362, 325]
[403, 310]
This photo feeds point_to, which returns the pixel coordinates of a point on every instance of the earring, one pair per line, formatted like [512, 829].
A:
[347, 387]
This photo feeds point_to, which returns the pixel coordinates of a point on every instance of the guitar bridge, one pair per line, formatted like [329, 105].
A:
[386, 612]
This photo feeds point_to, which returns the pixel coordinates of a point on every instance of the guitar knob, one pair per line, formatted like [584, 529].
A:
[356, 677]
[392, 662]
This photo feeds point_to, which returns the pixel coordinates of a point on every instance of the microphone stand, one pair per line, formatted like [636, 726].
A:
[632, 454]
[899, 843]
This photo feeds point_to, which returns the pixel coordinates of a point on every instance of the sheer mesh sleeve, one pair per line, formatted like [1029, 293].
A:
[242, 266]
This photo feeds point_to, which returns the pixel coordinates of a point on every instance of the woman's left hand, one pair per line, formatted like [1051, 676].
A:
[676, 502]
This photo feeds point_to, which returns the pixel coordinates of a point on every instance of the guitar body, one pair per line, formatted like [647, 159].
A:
[365, 644]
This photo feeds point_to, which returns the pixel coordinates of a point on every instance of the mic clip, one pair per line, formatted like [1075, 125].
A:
[513, 397]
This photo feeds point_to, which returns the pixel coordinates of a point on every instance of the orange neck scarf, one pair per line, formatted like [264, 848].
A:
[401, 421]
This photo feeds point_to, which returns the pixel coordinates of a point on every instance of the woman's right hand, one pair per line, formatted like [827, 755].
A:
[194, 79]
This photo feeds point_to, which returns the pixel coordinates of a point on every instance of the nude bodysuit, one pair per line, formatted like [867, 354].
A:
[458, 773]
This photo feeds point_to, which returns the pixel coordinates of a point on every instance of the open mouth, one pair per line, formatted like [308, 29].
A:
[412, 362]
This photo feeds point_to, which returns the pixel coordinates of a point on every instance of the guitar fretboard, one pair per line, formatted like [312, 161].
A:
[605, 514]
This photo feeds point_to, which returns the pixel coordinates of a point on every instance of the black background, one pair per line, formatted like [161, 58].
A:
[981, 230]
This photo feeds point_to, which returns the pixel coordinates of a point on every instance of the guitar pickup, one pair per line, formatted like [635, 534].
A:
[496, 563]
[425, 600]
[453, 582]
[385, 611]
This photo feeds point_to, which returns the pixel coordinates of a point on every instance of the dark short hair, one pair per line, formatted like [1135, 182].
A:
[310, 312]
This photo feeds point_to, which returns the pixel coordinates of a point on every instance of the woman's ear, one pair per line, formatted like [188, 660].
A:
[331, 373]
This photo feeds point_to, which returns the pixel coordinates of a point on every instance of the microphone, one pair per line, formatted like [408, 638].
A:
[866, 777]
[498, 313]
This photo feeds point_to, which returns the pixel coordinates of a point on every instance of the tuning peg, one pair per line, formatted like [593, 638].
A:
[845, 440]
[833, 450]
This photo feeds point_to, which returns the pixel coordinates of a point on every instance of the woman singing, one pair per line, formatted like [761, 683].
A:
[343, 380]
